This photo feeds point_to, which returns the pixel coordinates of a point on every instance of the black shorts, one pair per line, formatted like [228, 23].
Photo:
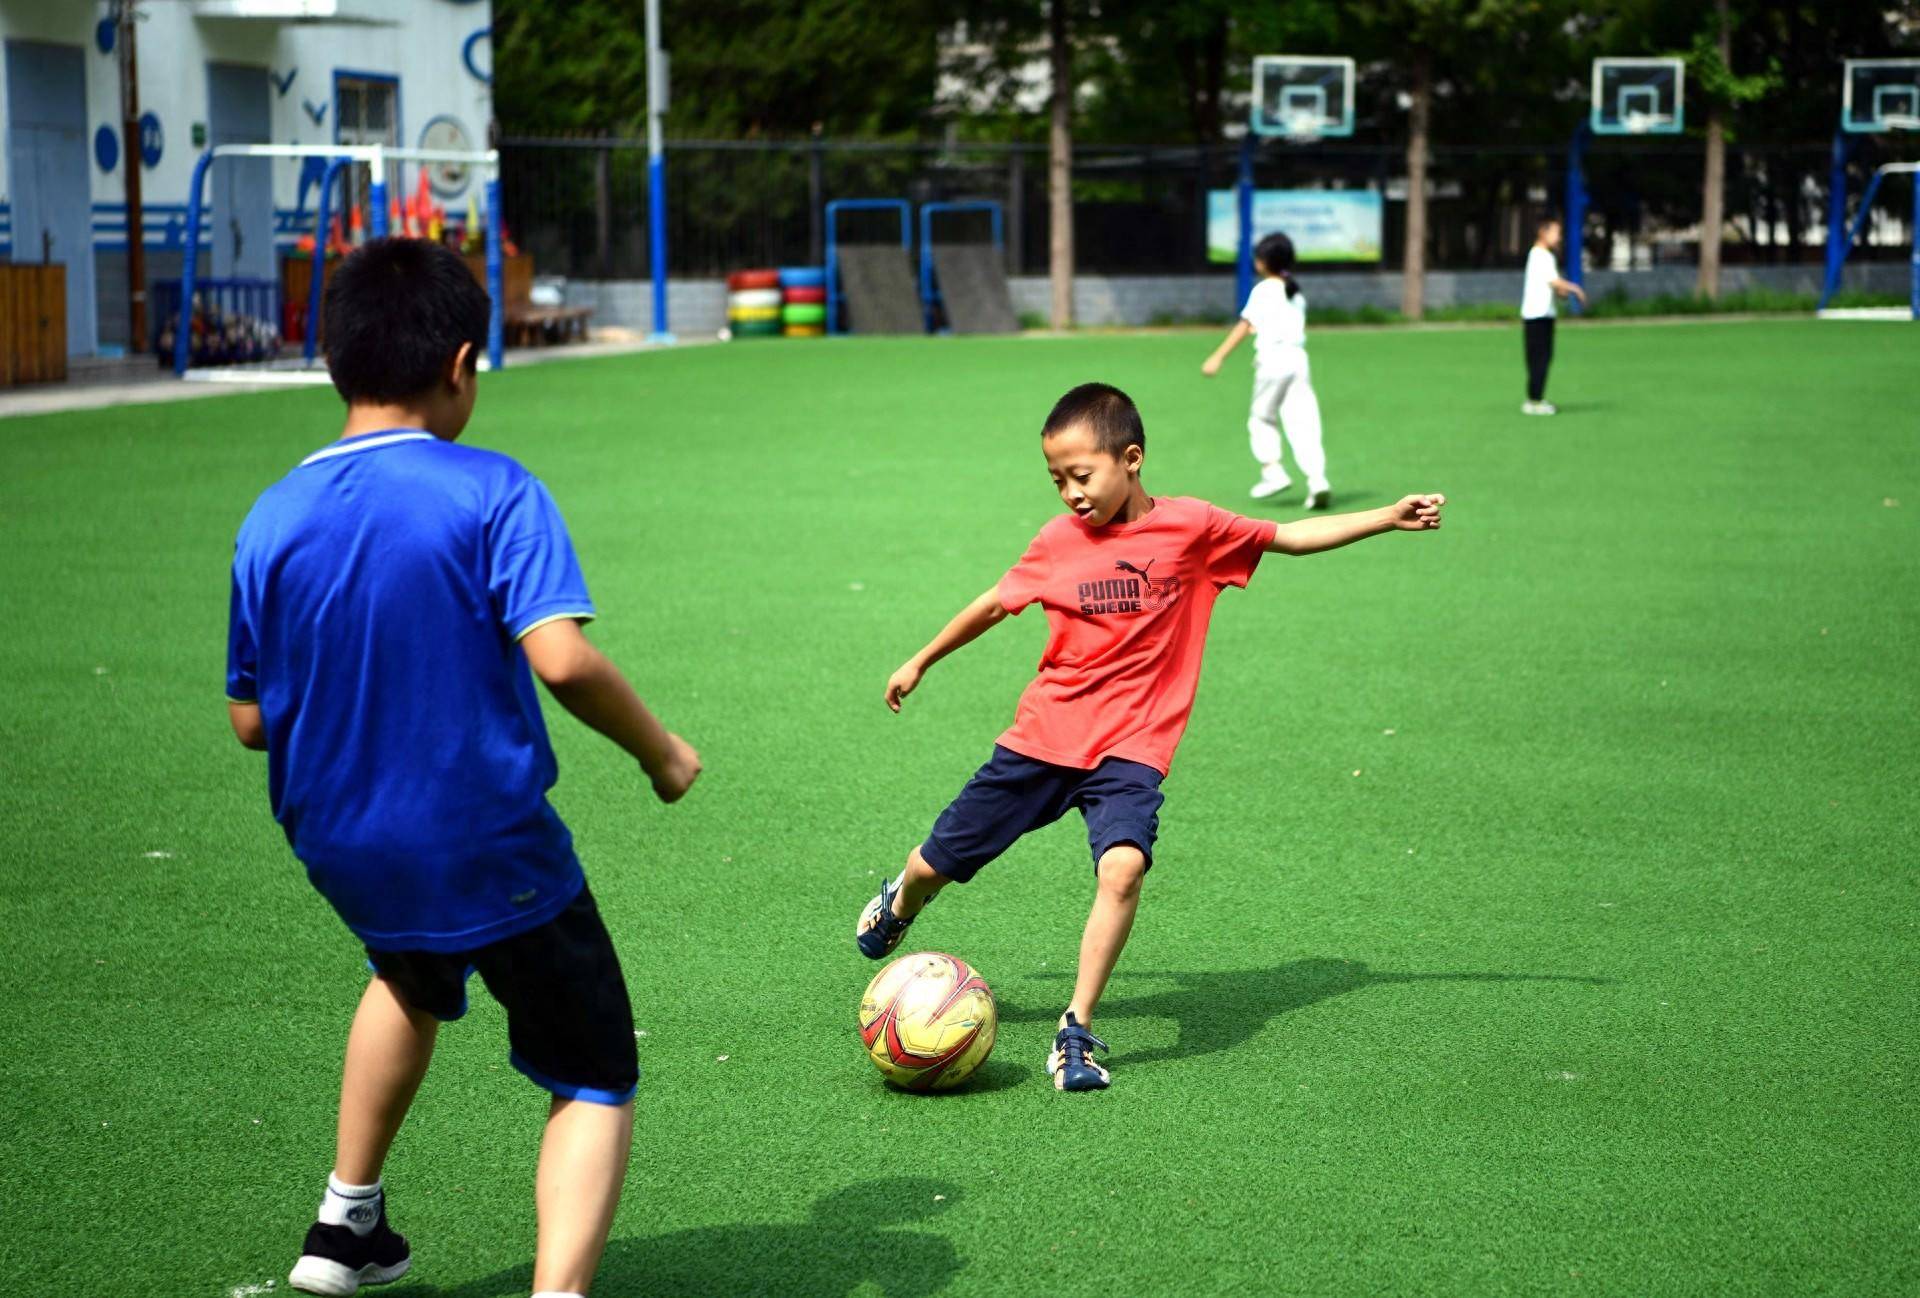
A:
[569, 1023]
[1013, 794]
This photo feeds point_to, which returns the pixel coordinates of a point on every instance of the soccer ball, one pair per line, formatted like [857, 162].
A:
[927, 1021]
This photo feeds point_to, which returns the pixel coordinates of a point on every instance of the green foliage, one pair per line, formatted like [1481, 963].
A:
[740, 68]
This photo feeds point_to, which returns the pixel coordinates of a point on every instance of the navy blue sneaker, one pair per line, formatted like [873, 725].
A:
[1071, 1062]
[336, 1261]
[880, 930]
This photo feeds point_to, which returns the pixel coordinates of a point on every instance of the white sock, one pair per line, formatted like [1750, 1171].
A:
[357, 1207]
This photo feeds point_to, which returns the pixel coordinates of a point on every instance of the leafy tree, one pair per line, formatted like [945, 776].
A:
[742, 69]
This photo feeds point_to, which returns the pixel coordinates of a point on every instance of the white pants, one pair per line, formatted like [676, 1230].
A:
[1283, 399]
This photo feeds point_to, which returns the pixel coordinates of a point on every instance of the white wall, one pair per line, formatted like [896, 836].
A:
[423, 49]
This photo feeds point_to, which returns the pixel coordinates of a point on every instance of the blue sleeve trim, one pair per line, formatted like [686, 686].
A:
[565, 1090]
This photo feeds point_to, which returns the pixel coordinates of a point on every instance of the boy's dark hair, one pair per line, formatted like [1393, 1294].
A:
[1275, 253]
[1105, 411]
[1540, 226]
[395, 312]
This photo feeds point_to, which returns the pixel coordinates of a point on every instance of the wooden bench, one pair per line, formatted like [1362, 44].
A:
[528, 325]
[533, 326]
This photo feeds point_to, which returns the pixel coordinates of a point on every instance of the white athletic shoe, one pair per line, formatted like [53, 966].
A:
[1539, 408]
[1270, 485]
[1318, 498]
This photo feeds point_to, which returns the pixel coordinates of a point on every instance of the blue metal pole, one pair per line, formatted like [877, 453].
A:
[496, 278]
[1576, 211]
[1913, 282]
[833, 276]
[1852, 232]
[380, 225]
[190, 270]
[926, 262]
[318, 284]
[1836, 214]
[657, 242]
[1243, 190]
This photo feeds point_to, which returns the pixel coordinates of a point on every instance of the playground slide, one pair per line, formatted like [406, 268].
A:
[973, 288]
[876, 281]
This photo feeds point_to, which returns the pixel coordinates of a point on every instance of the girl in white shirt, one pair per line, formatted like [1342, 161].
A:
[1276, 314]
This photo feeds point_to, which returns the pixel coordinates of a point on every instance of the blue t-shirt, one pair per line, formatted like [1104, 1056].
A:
[380, 591]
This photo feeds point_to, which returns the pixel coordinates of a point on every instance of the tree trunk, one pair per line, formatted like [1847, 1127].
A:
[1060, 167]
[1714, 188]
[1413, 261]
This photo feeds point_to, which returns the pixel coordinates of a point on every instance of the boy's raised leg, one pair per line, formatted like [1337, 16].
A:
[583, 1164]
[1115, 902]
[884, 922]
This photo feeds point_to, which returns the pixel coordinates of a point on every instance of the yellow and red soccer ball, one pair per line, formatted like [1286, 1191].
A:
[928, 1021]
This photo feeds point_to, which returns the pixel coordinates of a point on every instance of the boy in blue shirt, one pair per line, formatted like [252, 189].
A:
[393, 598]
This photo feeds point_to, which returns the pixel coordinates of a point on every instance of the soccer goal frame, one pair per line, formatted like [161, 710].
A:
[338, 157]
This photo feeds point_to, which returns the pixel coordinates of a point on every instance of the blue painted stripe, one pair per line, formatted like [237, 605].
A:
[567, 1090]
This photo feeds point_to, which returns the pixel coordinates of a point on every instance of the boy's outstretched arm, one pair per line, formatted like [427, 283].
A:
[966, 625]
[1235, 336]
[587, 684]
[1312, 535]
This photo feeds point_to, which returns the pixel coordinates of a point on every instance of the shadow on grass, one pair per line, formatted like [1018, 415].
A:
[859, 1233]
[1218, 1010]
[994, 1075]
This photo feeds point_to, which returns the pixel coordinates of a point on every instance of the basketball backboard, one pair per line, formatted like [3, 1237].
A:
[1880, 95]
[1635, 96]
[1302, 98]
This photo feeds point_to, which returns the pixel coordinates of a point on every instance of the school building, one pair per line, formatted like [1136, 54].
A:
[399, 72]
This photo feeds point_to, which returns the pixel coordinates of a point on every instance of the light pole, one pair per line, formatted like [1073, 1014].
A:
[657, 173]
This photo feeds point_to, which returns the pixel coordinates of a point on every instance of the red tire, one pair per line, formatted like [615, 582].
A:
[806, 296]
[754, 279]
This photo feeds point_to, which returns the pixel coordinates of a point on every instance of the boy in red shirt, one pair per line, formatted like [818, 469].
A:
[1128, 581]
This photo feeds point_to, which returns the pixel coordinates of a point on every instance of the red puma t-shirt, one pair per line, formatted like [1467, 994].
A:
[1128, 605]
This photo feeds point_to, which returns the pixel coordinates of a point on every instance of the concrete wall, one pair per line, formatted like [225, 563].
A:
[699, 307]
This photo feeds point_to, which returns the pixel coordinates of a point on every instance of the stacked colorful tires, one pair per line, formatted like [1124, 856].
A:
[753, 303]
[803, 308]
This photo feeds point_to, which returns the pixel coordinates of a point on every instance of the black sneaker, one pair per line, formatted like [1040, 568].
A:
[336, 1261]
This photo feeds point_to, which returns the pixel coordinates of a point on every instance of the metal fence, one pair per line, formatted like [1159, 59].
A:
[580, 205]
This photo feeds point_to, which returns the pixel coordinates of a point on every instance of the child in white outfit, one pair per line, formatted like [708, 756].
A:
[1276, 314]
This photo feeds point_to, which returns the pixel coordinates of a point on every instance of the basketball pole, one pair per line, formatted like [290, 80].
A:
[1576, 222]
[1243, 198]
[1836, 210]
[657, 173]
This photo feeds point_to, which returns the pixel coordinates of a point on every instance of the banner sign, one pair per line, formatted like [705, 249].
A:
[1324, 224]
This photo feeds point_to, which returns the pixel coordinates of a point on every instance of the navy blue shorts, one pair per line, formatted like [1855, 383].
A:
[1013, 794]
[569, 1024]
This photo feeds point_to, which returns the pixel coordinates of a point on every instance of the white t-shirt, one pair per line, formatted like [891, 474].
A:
[1279, 322]
[1536, 298]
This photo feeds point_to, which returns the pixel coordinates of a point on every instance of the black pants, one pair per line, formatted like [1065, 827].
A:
[1539, 355]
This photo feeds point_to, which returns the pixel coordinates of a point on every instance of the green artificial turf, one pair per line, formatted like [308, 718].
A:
[1535, 906]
